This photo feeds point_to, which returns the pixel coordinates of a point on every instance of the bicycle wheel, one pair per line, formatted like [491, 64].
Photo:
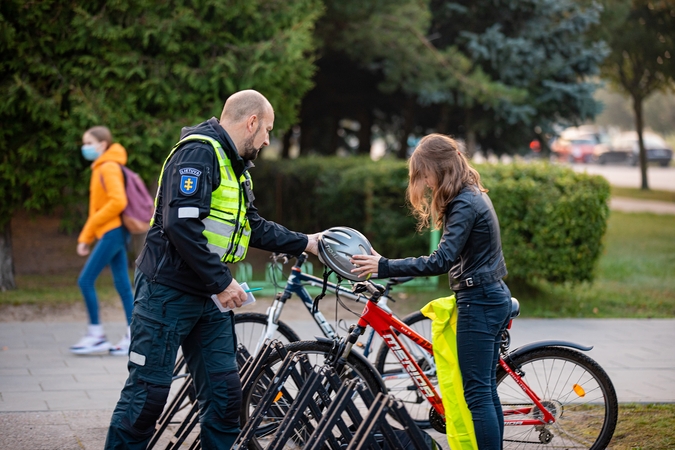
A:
[250, 327]
[317, 352]
[398, 382]
[573, 387]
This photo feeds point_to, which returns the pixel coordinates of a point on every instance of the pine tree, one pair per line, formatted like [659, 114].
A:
[537, 46]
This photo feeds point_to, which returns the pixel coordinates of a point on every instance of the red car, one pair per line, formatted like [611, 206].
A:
[580, 149]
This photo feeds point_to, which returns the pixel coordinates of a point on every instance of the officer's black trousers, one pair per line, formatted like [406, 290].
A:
[163, 320]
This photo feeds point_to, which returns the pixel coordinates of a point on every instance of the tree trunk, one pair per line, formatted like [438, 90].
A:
[408, 123]
[365, 132]
[334, 140]
[7, 282]
[443, 118]
[470, 135]
[286, 143]
[639, 125]
[543, 145]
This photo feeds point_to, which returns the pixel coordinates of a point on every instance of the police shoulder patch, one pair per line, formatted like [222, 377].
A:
[189, 180]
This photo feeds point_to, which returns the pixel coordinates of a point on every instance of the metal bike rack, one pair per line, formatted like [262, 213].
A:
[323, 412]
[375, 431]
[185, 398]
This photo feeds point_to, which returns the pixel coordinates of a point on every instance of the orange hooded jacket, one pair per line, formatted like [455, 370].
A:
[107, 194]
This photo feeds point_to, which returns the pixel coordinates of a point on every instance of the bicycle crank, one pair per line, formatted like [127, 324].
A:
[437, 422]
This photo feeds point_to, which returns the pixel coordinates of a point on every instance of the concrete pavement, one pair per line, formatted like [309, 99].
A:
[661, 178]
[632, 205]
[50, 399]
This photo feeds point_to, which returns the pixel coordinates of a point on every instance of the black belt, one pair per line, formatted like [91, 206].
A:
[478, 279]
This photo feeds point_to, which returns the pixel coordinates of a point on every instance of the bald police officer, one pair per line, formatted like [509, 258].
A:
[204, 219]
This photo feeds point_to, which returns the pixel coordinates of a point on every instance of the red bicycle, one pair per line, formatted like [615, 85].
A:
[552, 395]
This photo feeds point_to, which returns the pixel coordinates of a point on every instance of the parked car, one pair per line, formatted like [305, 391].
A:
[576, 145]
[624, 148]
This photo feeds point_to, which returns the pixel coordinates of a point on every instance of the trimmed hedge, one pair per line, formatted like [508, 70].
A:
[552, 219]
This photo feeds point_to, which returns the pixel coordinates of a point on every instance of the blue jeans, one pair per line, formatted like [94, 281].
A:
[110, 250]
[483, 314]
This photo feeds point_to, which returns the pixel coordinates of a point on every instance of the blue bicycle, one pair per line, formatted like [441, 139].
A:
[254, 328]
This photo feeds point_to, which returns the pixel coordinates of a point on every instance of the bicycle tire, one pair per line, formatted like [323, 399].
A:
[404, 388]
[356, 366]
[573, 387]
[249, 327]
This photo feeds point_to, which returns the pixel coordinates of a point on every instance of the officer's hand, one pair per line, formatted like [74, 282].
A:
[233, 296]
[313, 243]
[82, 249]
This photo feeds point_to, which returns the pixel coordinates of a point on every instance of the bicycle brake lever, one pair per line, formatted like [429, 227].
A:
[360, 288]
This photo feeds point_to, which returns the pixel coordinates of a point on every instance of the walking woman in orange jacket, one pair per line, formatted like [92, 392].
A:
[107, 200]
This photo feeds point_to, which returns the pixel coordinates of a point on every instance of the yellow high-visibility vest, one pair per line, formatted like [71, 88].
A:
[226, 228]
[458, 419]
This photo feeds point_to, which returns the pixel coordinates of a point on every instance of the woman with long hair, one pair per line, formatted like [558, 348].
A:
[446, 191]
[107, 200]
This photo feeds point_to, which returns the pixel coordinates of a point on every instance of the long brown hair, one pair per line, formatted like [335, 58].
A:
[437, 157]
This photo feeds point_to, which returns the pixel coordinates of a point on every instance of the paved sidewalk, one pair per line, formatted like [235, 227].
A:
[632, 205]
[50, 399]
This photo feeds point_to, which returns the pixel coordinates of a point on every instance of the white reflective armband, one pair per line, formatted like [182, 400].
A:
[188, 212]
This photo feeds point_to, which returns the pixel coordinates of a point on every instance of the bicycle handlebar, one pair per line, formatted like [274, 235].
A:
[377, 291]
[399, 280]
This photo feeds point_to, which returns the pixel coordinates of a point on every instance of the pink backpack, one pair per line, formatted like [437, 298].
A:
[140, 205]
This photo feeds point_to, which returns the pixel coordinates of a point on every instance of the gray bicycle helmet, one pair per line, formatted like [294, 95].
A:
[336, 247]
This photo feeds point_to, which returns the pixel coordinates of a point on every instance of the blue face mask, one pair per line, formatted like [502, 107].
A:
[89, 152]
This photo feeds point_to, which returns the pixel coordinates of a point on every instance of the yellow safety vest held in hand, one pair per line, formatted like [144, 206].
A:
[226, 228]
[458, 418]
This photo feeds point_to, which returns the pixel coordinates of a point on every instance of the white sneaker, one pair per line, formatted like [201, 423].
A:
[90, 345]
[122, 347]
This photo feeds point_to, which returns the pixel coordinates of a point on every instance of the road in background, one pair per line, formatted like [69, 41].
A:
[659, 178]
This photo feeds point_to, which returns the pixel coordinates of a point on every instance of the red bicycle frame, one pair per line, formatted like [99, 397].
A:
[386, 325]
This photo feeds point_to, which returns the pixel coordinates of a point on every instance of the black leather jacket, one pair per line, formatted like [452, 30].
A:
[470, 250]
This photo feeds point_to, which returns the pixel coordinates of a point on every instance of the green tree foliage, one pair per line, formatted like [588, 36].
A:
[537, 46]
[144, 68]
[641, 35]
[495, 72]
[377, 62]
[552, 219]
[390, 36]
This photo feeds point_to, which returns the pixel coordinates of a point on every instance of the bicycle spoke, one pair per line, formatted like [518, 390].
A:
[570, 390]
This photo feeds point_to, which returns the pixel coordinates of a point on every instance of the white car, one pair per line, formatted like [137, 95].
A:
[624, 148]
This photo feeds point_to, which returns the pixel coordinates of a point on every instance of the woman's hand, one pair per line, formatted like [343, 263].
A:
[82, 249]
[366, 264]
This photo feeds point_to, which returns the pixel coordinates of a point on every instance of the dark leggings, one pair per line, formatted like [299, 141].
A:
[483, 313]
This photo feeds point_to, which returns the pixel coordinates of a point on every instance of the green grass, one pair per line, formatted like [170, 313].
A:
[55, 290]
[663, 196]
[634, 277]
[645, 426]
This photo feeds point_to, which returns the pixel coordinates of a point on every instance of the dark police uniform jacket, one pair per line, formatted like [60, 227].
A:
[175, 252]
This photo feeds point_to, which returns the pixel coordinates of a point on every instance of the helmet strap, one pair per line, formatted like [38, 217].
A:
[326, 274]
